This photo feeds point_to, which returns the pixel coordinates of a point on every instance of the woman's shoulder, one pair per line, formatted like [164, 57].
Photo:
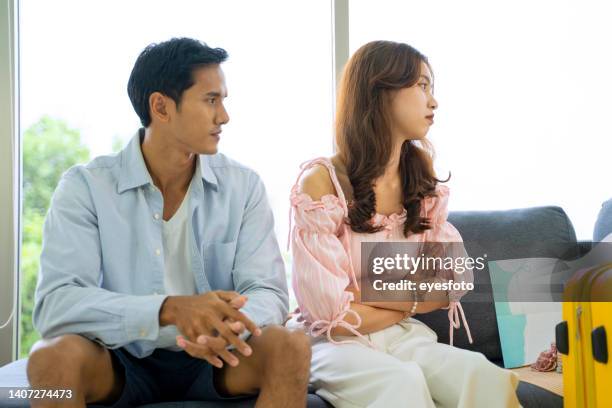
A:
[317, 182]
[320, 176]
[342, 177]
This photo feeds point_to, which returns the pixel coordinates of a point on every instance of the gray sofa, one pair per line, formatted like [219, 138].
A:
[603, 225]
[496, 232]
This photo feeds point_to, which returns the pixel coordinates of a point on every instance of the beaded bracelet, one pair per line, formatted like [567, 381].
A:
[414, 305]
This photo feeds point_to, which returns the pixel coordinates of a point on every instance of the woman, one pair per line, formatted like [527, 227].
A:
[380, 186]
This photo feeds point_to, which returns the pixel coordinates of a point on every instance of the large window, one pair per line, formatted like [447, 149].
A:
[76, 59]
[524, 92]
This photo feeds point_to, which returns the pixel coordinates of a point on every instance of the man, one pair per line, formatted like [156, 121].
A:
[159, 262]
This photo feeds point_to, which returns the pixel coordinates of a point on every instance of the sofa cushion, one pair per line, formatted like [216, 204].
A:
[314, 401]
[530, 395]
[14, 375]
[603, 225]
[519, 233]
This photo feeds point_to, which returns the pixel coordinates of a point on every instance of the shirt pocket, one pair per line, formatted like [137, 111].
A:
[219, 264]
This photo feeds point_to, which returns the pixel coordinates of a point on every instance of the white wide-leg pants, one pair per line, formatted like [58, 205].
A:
[408, 369]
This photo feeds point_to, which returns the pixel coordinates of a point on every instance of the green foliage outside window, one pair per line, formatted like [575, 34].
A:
[50, 148]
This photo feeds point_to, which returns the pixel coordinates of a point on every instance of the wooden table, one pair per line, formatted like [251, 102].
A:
[550, 380]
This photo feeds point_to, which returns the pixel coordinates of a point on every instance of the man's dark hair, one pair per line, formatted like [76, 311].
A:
[168, 68]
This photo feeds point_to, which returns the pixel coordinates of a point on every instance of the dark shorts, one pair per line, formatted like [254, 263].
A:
[164, 376]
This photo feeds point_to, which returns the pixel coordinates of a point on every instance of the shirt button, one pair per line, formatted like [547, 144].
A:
[143, 332]
[158, 252]
[156, 216]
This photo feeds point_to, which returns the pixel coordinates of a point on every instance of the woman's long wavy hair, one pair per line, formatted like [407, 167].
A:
[363, 132]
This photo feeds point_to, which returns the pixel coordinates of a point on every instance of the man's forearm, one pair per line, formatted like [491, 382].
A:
[266, 306]
[115, 319]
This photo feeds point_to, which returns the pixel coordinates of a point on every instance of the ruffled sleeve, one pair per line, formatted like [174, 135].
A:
[321, 268]
[436, 208]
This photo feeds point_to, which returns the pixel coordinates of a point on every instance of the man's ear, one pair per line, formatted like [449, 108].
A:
[160, 106]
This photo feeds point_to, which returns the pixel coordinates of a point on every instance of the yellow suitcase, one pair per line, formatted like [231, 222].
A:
[582, 341]
[601, 337]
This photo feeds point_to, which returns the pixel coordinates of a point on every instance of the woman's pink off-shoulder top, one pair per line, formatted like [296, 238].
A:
[326, 254]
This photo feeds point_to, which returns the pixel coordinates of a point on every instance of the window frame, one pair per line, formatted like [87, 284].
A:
[10, 180]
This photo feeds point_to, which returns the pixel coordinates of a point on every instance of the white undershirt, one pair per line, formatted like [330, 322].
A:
[178, 276]
[176, 239]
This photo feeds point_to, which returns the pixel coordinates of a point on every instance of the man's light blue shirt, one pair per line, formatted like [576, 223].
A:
[102, 268]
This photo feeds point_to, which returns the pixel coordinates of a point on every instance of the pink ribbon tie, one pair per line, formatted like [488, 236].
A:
[321, 326]
[454, 310]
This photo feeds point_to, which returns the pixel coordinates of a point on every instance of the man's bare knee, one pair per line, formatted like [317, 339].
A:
[299, 344]
[288, 341]
[278, 354]
[284, 368]
[59, 356]
[287, 348]
[72, 361]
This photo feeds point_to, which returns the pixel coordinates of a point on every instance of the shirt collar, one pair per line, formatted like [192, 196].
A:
[206, 170]
[134, 172]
